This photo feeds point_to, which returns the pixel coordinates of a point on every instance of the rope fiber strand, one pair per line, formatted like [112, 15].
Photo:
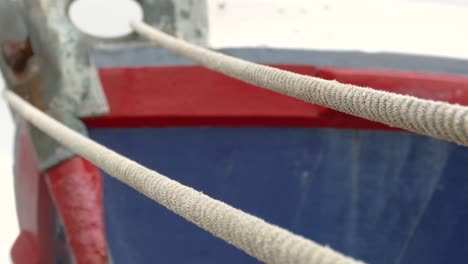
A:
[436, 119]
[264, 241]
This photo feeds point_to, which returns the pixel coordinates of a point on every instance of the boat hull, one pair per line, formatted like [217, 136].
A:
[379, 196]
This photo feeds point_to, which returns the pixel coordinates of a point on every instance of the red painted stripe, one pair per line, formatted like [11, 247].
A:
[195, 96]
[76, 187]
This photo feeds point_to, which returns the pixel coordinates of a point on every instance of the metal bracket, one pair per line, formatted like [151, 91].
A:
[47, 61]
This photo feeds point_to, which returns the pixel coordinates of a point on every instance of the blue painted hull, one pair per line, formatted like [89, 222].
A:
[383, 197]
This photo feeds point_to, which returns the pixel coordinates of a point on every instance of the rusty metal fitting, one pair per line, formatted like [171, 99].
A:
[17, 54]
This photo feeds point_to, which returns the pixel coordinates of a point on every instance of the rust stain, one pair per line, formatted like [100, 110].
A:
[17, 53]
[26, 80]
[28, 85]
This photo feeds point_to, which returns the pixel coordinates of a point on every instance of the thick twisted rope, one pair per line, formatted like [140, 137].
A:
[436, 119]
[256, 237]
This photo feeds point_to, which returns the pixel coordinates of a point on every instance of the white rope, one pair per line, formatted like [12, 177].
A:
[257, 238]
[437, 119]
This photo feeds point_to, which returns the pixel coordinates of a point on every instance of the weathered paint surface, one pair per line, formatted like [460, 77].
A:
[384, 197]
[75, 186]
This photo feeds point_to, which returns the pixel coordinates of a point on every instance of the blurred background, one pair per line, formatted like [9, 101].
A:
[430, 27]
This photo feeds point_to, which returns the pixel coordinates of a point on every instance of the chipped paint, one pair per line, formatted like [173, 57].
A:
[192, 21]
[75, 186]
